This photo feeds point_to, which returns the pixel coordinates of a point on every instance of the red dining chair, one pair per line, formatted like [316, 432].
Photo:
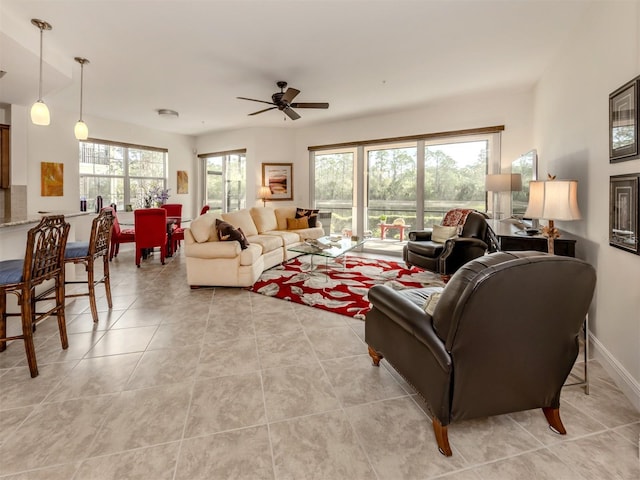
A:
[151, 231]
[174, 212]
[118, 235]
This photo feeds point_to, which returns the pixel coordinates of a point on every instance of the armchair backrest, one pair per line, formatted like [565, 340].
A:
[511, 322]
[475, 226]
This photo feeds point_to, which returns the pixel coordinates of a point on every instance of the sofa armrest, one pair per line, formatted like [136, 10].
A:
[212, 249]
[420, 235]
[412, 318]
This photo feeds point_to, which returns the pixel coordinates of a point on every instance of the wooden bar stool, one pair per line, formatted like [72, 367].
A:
[87, 253]
[43, 260]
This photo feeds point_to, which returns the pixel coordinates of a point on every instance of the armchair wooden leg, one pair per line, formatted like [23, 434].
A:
[441, 437]
[375, 356]
[553, 417]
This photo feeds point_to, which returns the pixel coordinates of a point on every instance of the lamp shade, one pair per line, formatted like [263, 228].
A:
[500, 182]
[553, 200]
[264, 192]
[40, 113]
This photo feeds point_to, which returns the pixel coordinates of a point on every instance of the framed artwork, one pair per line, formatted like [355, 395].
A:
[51, 179]
[623, 212]
[183, 182]
[279, 178]
[623, 122]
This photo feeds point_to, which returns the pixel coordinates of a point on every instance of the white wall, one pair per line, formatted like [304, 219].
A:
[56, 143]
[571, 119]
[263, 145]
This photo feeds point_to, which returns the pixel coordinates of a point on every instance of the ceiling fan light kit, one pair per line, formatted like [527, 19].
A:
[282, 100]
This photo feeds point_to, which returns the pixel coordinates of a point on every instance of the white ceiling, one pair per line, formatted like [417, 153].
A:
[195, 57]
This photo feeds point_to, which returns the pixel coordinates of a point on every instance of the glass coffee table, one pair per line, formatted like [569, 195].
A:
[327, 248]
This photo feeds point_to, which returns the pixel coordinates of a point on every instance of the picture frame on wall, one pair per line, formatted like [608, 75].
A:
[623, 212]
[623, 122]
[279, 178]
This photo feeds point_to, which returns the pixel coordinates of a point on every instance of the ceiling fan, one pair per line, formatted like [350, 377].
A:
[282, 101]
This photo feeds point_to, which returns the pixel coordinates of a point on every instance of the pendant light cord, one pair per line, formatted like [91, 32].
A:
[40, 83]
[81, 86]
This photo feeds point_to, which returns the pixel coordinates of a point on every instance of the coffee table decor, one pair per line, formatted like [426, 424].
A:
[342, 286]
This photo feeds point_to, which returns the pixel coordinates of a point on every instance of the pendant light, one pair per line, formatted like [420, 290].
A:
[39, 110]
[81, 131]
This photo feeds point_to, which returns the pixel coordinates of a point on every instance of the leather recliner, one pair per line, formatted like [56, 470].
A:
[445, 258]
[503, 336]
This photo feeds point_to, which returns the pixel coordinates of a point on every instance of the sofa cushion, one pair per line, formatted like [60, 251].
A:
[242, 219]
[264, 218]
[282, 213]
[228, 233]
[312, 215]
[288, 237]
[297, 223]
[442, 234]
[267, 242]
[203, 228]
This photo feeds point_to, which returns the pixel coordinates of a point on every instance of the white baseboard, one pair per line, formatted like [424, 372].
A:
[623, 379]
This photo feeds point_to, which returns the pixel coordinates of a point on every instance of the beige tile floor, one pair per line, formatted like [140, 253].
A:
[222, 383]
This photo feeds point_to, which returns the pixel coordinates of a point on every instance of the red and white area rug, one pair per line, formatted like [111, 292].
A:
[338, 288]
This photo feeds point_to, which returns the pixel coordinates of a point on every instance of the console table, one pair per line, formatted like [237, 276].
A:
[513, 237]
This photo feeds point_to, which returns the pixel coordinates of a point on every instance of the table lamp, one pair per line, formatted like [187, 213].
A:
[553, 200]
[263, 194]
[502, 182]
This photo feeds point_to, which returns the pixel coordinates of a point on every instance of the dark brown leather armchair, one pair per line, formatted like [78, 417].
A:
[446, 258]
[503, 336]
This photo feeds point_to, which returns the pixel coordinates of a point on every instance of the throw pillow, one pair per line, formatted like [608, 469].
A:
[311, 214]
[228, 233]
[430, 305]
[297, 223]
[442, 234]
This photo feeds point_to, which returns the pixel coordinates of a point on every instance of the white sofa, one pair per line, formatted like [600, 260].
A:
[211, 262]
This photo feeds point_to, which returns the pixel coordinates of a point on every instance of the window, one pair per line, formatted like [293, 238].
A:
[225, 184]
[415, 180]
[120, 173]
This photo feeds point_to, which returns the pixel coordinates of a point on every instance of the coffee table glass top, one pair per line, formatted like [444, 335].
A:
[335, 248]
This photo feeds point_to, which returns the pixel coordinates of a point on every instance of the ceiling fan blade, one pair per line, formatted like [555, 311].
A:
[309, 105]
[290, 113]
[260, 111]
[289, 95]
[254, 100]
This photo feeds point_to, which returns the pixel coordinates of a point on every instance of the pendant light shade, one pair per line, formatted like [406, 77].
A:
[40, 113]
[39, 110]
[81, 130]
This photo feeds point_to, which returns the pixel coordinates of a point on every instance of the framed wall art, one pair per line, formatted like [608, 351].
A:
[623, 212]
[51, 179]
[623, 122]
[279, 178]
[183, 182]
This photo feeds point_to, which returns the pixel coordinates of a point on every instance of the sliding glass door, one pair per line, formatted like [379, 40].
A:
[334, 187]
[372, 190]
[391, 174]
